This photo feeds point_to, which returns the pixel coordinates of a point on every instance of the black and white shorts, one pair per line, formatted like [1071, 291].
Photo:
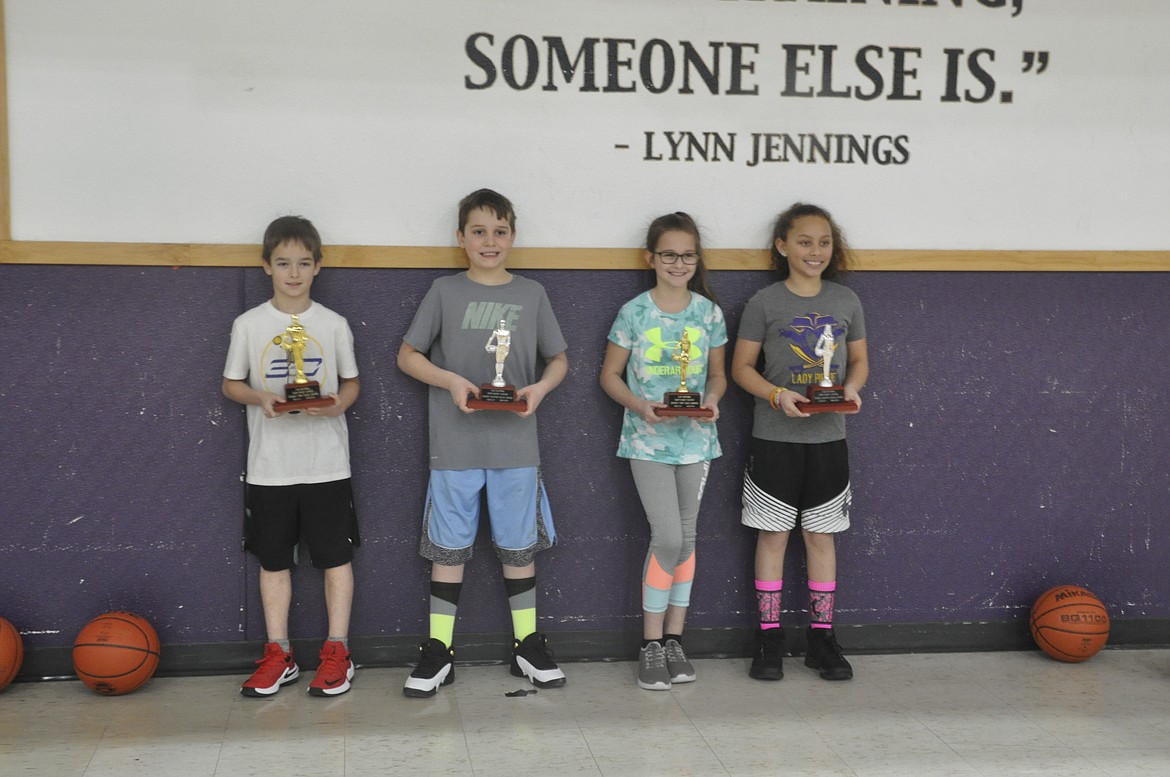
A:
[787, 484]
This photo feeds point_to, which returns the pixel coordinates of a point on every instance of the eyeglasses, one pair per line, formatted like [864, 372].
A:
[670, 257]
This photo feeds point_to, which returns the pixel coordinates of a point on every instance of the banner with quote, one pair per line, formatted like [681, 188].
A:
[922, 124]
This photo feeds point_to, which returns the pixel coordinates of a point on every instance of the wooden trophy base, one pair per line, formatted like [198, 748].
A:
[827, 399]
[684, 404]
[301, 396]
[497, 398]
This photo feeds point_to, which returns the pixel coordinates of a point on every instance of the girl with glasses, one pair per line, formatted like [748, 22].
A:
[670, 455]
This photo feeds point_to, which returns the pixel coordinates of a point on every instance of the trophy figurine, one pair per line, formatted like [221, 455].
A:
[498, 395]
[826, 396]
[683, 402]
[299, 392]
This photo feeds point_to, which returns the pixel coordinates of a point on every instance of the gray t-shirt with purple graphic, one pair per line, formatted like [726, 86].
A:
[789, 327]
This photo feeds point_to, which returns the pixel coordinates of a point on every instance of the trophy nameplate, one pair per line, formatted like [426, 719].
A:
[496, 398]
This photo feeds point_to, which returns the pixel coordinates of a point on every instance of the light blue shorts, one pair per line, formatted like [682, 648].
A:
[518, 510]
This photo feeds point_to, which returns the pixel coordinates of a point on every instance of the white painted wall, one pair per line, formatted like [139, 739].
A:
[200, 120]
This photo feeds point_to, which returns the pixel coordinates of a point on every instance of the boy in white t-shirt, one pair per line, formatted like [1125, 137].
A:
[298, 475]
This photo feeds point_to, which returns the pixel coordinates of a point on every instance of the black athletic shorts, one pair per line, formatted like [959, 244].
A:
[277, 518]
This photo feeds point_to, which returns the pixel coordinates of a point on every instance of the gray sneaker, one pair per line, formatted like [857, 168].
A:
[681, 670]
[652, 672]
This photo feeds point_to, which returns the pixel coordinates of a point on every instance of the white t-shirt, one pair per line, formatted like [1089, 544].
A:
[300, 448]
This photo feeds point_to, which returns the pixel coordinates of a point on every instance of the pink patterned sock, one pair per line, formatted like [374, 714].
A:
[768, 601]
[821, 598]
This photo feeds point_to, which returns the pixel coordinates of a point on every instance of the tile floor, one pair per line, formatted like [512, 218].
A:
[1012, 713]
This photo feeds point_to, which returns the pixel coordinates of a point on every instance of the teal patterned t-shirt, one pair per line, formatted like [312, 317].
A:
[651, 337]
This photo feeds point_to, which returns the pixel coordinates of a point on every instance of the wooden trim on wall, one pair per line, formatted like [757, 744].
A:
[1015, 261]
[450, 257]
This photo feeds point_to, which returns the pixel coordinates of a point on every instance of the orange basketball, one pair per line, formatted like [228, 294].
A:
[116, 653]
[11, 653]
[1069, 623]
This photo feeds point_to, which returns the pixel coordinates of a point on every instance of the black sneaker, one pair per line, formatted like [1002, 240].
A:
[768, 661]
[533, 659]
[824, 655]
[436, 666]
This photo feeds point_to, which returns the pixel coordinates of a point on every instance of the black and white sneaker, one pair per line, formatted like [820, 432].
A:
[533, 659]
[436, 666]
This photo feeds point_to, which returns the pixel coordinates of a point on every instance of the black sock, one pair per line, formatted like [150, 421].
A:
[518, 585]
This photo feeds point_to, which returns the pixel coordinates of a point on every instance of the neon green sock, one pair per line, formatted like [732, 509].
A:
[443, 627]
[444, 605]
[522, 603]
[523, 623]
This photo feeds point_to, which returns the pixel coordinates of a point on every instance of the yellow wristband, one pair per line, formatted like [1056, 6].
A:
[775, 394]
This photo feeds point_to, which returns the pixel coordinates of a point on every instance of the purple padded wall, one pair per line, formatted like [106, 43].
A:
[1012, 438]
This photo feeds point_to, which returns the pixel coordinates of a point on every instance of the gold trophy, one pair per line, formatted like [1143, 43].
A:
[299, 392]
[683, 402]
[498, 395]
[826, 396]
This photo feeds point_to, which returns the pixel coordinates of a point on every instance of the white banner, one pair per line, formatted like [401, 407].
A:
[922, 124]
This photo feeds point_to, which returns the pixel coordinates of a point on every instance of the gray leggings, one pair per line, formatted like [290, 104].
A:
[670, 495]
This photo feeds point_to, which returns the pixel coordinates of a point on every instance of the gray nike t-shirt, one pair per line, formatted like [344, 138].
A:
[452, 327]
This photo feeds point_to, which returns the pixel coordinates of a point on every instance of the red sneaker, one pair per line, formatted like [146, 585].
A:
[277, 668]
[334, 672]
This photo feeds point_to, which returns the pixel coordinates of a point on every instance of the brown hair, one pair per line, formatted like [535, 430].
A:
[489, 200]
[295, 229]
[842, 255]
[682, 222]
